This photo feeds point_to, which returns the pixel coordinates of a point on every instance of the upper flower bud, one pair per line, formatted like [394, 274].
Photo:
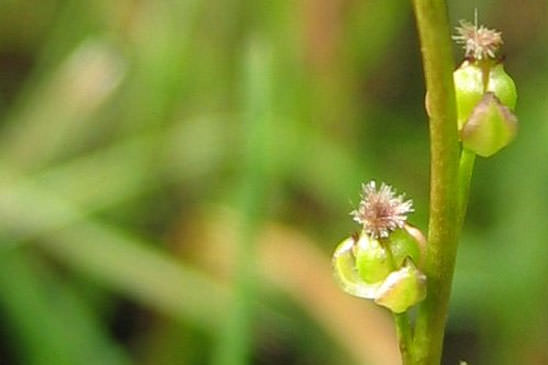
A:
[472, 81]
[485, 94]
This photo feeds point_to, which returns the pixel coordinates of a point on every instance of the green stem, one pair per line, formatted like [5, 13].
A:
[403, 325]
[405, 337]
[466, 167]
[434, 32]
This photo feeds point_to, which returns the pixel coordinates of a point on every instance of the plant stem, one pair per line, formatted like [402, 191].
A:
[466, 167]
[403, 326]
[405, 337]
[434, 33]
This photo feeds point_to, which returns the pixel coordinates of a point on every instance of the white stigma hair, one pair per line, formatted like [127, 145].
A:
[381, 211]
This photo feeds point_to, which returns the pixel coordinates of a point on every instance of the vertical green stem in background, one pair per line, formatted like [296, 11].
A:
[235, 340]
[434, 33]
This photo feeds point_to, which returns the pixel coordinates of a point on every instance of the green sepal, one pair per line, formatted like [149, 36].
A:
[490, 127]
[344, 265]
[404, 243]
[402, 289]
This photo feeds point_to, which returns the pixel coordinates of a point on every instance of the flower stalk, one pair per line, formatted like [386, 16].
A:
[470, 113]
[485, 97]
[434, 33]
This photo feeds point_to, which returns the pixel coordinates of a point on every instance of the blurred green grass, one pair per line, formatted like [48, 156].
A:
[128, 127]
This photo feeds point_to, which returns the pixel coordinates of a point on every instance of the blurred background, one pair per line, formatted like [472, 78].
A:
[174, 176]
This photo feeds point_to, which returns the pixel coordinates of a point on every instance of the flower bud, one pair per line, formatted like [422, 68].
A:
[490, 127]
[372, 260]
[474, 79]
[402, 289]
[378, 263]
